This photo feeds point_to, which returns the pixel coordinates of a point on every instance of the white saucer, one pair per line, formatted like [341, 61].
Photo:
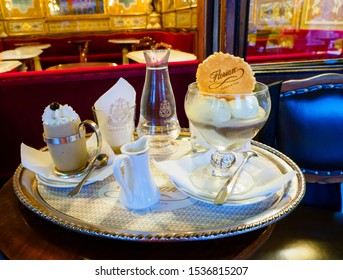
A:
[96, 175]
[55, 184]
[209, 197]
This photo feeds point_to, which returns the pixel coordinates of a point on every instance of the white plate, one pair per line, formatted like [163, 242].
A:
[257, 182]
[96, 175]
[70, 183]
[55, 184]
[209, 197]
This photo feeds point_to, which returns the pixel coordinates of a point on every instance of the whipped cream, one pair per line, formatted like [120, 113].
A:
[62, 115]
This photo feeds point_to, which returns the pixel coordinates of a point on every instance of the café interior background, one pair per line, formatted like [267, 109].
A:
[266, 17]
[28, 17]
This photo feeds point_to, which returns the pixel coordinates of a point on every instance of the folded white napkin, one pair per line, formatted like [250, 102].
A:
[121, 92]
[41, 163]
[259, 177]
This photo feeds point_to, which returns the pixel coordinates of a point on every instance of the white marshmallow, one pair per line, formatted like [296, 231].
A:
[210, 110]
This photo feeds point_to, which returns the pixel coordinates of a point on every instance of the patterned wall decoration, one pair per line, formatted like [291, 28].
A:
[128, 7]
[21, 17]
[131, 14]
[26, 26]
[179, 13]
[22, 8]
[168, 5]
[66, 26]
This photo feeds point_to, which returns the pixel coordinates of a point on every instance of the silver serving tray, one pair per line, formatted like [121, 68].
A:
[198, 221]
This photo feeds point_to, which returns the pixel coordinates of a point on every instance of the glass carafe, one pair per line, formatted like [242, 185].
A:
[158, 118]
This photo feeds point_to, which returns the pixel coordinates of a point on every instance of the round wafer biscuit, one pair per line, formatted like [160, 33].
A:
[225, 73]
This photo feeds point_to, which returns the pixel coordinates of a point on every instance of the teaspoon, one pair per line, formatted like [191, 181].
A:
[224, 191]
[99, 162]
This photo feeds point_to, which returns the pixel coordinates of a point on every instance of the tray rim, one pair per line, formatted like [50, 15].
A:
[34, 202]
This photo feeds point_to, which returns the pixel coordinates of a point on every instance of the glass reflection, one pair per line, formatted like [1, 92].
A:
[75, 7]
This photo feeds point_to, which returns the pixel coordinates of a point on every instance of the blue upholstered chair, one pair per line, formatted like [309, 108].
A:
[308, 127]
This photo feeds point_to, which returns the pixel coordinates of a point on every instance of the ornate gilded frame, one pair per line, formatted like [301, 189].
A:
[64, 9]
[322, 14]
[271, 14]
[20, 9]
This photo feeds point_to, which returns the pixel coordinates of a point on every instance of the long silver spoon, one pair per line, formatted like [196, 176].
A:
[99, 162]
[224, 191]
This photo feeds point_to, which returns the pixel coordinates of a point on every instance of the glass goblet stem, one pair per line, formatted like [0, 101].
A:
[221, 163]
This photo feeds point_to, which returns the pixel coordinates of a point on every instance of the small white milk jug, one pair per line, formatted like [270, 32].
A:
[138, 189]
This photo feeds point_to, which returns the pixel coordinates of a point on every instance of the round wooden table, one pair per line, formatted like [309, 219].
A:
[25, 235]
[23, 55]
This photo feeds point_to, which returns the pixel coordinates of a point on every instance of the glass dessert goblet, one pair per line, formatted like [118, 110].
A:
[226, 122]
